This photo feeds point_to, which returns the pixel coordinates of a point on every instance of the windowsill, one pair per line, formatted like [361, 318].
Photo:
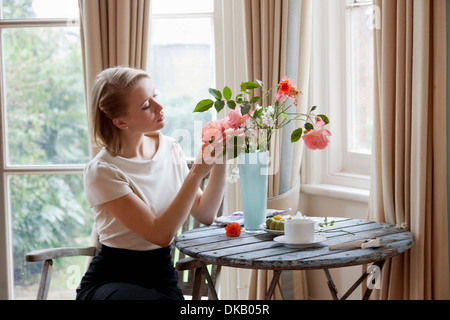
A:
[336, 192]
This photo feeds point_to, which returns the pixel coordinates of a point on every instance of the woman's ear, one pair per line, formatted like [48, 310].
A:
[120, 124]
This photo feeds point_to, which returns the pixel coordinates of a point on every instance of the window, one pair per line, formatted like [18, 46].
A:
[360, 78]
[343, 87]
[359, 85]
[44, 143]
[182, 65]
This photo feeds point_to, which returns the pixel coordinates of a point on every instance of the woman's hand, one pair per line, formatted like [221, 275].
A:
[201, 167]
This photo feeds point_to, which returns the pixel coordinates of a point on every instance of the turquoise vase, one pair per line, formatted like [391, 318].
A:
[253, 176]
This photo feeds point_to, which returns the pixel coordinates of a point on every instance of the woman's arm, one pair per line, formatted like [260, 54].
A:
[208, 201]
[132, 212]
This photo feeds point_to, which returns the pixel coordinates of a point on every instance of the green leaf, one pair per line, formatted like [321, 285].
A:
[309, 126]
[245, 109]
[204, 105]
[324, 118]
[227, 93]
[283, 115]
[219, 105]
[259, 112]
[216, 94]
[296, 135]
[261, 84]
[239, 98]
[249, 85]
[313, 108]
[255, 99]
[252, 85]
[231, 104]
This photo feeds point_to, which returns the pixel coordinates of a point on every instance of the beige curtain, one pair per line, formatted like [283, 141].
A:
[113, 33]
[266, 27]
[410, 165]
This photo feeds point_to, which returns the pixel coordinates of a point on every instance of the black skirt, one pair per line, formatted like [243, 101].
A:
[120, 274]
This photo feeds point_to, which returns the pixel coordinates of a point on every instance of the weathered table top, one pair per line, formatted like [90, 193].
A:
[212, 246]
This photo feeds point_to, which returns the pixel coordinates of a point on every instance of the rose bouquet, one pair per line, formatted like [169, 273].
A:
[252, 120]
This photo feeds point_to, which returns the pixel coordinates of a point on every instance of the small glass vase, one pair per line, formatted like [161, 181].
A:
[253, 176]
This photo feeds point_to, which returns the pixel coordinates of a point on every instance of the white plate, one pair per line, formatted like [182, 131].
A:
[275, 232]
[317, 239]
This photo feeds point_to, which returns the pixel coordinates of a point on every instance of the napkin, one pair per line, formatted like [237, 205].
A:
[363, 244]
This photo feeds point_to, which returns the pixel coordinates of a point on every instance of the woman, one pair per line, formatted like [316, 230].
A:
[141, 191]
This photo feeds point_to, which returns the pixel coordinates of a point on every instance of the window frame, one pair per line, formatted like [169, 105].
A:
[7, 170]
[334, 172]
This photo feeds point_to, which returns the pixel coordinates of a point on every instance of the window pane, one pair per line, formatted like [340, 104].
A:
[182, 6]
[182, 69]
[48, 212]
[362, 95]
[46, 113]
[25, 9]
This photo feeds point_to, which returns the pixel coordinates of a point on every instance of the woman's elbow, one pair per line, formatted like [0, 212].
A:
[205, 219]
[208, 222]
[163, 243]
[163, 239]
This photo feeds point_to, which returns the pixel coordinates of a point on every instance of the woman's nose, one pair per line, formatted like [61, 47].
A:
[159, 107]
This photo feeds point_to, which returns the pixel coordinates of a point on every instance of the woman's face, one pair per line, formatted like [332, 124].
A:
[145, 114]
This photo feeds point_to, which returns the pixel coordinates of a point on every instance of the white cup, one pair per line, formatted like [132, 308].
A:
[299, 231]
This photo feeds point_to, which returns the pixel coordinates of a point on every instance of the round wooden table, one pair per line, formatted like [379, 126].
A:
[210, 245]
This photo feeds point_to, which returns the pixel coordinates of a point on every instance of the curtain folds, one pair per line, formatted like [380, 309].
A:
[113, 33]
[266, 46]
[410, 160]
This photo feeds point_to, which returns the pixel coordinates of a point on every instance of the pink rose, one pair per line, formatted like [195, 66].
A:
[213, 131]
[235, 118]
[317, 139]
[213, 139]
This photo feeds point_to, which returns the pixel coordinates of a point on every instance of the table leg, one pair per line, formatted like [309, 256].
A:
[331, 285]
[211, 287]
[273, 284]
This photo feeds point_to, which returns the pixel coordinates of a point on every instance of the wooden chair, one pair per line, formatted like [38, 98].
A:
[190, 271]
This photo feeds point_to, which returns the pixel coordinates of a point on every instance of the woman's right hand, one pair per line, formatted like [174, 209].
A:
[202, 167]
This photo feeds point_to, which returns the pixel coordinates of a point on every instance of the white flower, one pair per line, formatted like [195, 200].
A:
[267, 120]
[234, 175]
[251, 124]
[270, 110]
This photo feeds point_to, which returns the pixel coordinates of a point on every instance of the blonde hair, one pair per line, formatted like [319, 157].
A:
[109, 101]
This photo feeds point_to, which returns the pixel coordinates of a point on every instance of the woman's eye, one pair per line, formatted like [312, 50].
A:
[146, 105]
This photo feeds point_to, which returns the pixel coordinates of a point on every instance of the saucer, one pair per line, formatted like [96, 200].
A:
[274, 232]
[317, 239]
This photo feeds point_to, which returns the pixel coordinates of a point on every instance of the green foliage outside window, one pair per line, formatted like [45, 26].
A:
[45, 125]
